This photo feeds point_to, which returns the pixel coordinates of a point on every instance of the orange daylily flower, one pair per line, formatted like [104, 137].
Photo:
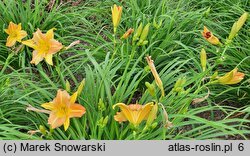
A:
[134, 113]
[44, 46]
[231, 77]
[210, 37]
[63, 107]
[116, 15]
[127, 33]
[16, 34]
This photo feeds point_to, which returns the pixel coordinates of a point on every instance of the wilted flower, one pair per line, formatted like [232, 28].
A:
[16, 34]
[155, 74]
[231, 77]
[210, 37]
[134, 113]
[167, 124]
[62, 108]
[44, 46]
[127, 33]
[116, 15]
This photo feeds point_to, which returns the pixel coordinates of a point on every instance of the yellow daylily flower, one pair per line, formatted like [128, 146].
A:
[231, 77]
[134, 113]
[62, 108]
[210, 37]
[16, 34]
[44, 46]
[116, 15]
[155, 74]
[127, 33]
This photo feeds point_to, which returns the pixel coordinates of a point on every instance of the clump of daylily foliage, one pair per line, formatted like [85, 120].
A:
[64, 107]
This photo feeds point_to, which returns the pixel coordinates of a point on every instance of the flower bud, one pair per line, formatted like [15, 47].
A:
[145, 31]
[137, 33]
[157, 26]
[151, 88]
[101, 105]
[203, 58]
[67, 86]
[238, 25]
[206, 13]
[80, 88]
[154, 125]
[152, 115]
[214, 76]
[178, 87]
[42, 129]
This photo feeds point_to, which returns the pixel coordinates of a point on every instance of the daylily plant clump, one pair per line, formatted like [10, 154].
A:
[137, 118]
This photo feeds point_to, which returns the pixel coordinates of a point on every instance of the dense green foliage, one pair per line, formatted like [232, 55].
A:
[174, 46]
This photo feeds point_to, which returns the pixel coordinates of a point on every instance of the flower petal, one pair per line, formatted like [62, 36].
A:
[10, 41]
[55, 46]
[48, 59]
[30, 43]
[126, 111]
[36, 57]
[66, 124]
[73, 98]
[62, 98]
[50, 34]
[76, 110]
[38, 36]
[55, 121]
[48, 105]
[120, 117]
[143, 114]
[21, 35]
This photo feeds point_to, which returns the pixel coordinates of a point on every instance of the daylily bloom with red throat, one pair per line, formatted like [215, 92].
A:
[134, 113]
[231, 77]
[44, 46]
[16, 34]
[116, 15]
[210, 37]
[62, 108]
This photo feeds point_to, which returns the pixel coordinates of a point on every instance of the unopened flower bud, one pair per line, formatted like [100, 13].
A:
[67, 86]
[101, 106]
[80, 88]
[151, 88]
[238, 25]
[152, 115]
[42, 129]
[145, 31]
[203, 58]
[156, 25]
[137, 33]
